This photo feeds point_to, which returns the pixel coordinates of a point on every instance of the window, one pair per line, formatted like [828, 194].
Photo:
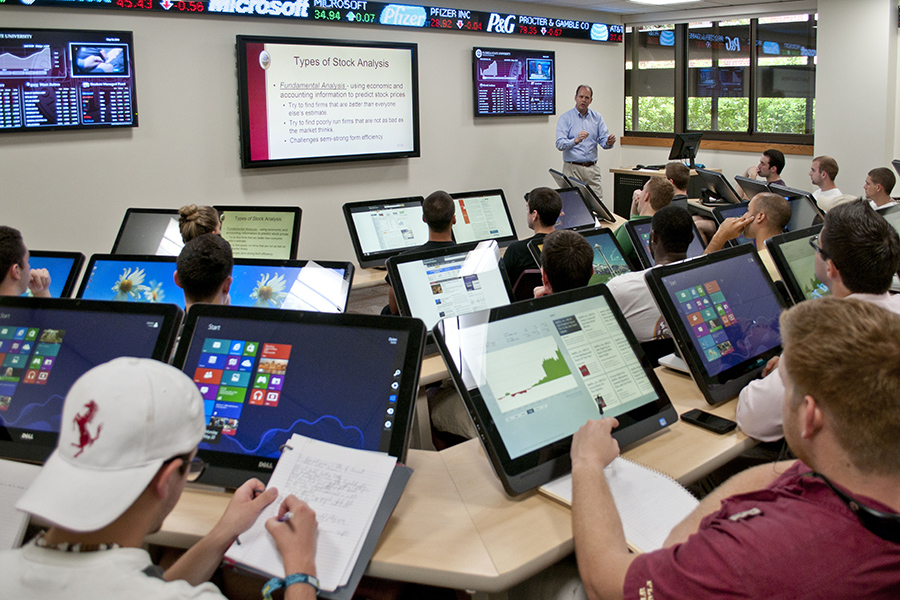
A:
[746, 79]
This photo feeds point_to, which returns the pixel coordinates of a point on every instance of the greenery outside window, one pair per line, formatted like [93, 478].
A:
[747, 79]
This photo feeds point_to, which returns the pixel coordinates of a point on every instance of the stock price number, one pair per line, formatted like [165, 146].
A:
[360, 17]
[189, 6]
[441, 23]
[327, 15]
[140, 4]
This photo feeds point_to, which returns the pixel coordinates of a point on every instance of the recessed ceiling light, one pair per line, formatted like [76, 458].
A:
[662, 2]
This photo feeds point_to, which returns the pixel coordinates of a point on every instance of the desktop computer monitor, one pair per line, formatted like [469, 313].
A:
[562, 181]
[720, 213]
[575, 211]
[483, 216]
[718, 186]
[532, 373]
[608, 258]
[269, 232]
[265, 375]
[318, 286]
[48, 343]
[152, 231]
[751, 187]
[795, 259]
[434, 284]
[131, 278]
[685, 146]
[639, 232]
[722, 309]
[593, 201]
[380, 229]
[64, 268]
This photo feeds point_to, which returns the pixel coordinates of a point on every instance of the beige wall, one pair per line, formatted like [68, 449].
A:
[69, 190]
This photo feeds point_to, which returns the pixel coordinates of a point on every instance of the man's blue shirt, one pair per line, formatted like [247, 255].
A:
[570, 124]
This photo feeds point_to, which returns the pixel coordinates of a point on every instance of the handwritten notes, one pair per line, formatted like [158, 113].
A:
[342, 485]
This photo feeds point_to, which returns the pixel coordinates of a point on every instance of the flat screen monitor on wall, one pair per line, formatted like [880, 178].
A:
[511, 82]
[66, 79]
[306, 101]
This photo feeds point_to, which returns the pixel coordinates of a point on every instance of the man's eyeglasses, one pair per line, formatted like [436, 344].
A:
[814, 242]
[194, 466]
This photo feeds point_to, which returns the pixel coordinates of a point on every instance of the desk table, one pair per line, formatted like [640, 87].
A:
[456, 527]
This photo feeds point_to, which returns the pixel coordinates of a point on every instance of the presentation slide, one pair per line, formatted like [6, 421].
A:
[318, 102]
[261, 235]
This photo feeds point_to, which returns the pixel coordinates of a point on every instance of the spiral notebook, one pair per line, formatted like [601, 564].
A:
[650, 503]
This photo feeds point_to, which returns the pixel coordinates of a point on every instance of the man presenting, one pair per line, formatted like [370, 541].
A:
[578, 133]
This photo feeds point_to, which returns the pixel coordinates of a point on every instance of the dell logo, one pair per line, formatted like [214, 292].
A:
[27, 436]
[265, 465]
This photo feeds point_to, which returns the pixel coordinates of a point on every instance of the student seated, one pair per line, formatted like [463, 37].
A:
[822, 174]
[544, 206]
[16, 277]
[670, 235]
[567, 263]
[203, 270]
[771, 164]
[126, 450]
[857, 256]
[438, 212]
[792, 529]
[197, 220]
[767, 216]
[679, 175]
[655, 194]
[878, 186]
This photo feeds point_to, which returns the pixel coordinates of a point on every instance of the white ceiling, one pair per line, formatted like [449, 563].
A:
[626, 7]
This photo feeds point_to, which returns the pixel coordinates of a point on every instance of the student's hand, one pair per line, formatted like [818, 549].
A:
[732, 227]
[541, 291]
[593, 444]
[770, 366]
[610, 141]
[39, 283]
[751, 173]
[636, 201]
[248, 501]
[295, 538]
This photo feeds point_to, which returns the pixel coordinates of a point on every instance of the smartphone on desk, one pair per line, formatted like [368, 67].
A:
[708, 421]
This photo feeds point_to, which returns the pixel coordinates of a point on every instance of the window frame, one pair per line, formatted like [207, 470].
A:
[681, 95]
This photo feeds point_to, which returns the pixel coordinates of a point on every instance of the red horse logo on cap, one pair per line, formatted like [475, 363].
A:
[81, 421]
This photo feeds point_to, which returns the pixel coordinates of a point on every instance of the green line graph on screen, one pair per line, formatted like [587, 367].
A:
[527, 373]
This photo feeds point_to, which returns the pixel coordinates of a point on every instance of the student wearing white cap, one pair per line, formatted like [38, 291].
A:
[127, 445]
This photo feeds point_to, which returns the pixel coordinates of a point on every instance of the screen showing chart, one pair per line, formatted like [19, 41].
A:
[514, 82]
[66, 79]
[543, 374]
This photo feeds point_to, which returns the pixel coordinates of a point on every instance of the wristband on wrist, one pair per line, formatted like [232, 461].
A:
[276, 583]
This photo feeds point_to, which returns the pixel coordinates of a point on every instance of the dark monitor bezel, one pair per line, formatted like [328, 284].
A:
[537, 467]
[774, 245]
[585, 231]
[295, 230]
[561, 179]
[568, 191]
[151, 211]
[791, 193]
[593, 201]
[407, 257]
[348, 268]
[896, 164]
[685, 146]
[502, 241]
[640, 250]
[38, 447]
[230, 470]
[374, 259]
[725, 385]
[719, 184]
[74, 271]
[754, 186]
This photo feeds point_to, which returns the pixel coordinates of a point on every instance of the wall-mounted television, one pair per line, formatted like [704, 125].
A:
[305, 101]
[512, 82]
[66, 79]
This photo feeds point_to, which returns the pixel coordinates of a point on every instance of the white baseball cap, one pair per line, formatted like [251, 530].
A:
[121, 421]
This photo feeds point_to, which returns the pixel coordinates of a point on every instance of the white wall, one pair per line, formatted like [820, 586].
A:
[69, 190]
[856, 87]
